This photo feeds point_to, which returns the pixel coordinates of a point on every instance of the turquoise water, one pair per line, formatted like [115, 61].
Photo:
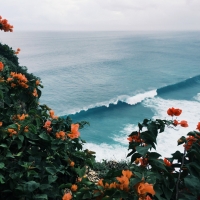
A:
[114, 80]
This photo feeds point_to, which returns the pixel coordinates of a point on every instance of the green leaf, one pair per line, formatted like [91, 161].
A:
[30, 186]
[157, 164]
[21, 137]
[45, 136]
[181, 140]
[139, 175]
[32, 128]
[167, 192]
[130, 153]
[31, 136]
[19, 144]
[40, 196]
[192, 183]
[19, 154]
[87, 195]
[148, 137]
[184, 196]
[52, 178]
[134, 181]
[143, 150]
[3, 145]
[1, 94]
[194, 168]
[177, 155]
[13, 126]
[80, 171]
[2, 165]
[62, 186]
[158, 193]
[37, 122]
[135, 156]
[9, 155]
[51, 170]
[153, 155]
[140, 126]
[152, 127]
[2, 179]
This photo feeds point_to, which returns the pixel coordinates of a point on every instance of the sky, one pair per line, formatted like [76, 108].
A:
[102, 15]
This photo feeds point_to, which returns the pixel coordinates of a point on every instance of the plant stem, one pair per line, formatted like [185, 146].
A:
[179, 176]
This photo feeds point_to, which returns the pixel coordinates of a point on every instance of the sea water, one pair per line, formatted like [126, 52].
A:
[114, 80]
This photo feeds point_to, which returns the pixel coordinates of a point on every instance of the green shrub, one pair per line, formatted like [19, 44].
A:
[40, 154]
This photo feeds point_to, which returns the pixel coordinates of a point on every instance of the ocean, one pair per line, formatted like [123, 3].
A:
[114, 80]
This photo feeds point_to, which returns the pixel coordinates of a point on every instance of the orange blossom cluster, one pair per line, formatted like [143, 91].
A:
[5, 26]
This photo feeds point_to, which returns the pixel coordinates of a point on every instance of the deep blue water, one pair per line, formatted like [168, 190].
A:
[114, 80]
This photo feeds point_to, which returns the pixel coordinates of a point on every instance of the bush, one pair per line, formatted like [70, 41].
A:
[39, 152]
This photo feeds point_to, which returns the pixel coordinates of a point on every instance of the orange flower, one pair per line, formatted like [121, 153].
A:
[175, 123]
[124, 183]
[1, 66]
[57, 135]
[183, 123]
[51, 112]
[21, 79]
[143, 162]
[134, 138]
[100, 182]
[198, 126]
[26, 129]
[113, 185]
[22, 117]
[144, 188]
[174, 111]
[74, 131]
[1, 123]
[18, 50]
[47, 124]
[61, 134]
[127, 173]
[12, 131]
[24, 85]
[18, 126]
[9, 79]
[79, 179]
[190, 141]
[167, 162]
[67, 196]
[74, 188]
[5, 26]
[13, 85]
[72, 164]
[35, 94]
[49, 129]
[37, 82]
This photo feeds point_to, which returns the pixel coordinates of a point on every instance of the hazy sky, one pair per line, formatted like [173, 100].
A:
[95, 15]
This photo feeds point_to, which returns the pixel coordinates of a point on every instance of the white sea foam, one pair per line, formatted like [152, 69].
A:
[132, 100]
[140, 97]
[197, 97]
[166, 141]
[122, 137]
[108, 152]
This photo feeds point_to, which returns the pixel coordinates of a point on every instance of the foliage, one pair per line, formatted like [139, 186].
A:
[39, 152]
[8, 53]
[42, 155]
